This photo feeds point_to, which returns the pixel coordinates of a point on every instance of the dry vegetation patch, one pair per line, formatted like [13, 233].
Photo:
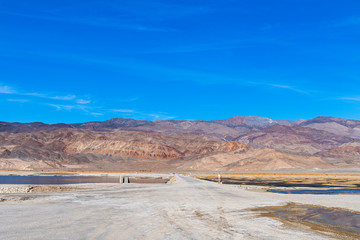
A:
[286, 180]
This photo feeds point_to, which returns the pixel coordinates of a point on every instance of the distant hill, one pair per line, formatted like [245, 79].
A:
[234, 144]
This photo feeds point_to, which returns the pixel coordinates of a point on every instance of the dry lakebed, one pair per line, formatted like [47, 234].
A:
[186, 207]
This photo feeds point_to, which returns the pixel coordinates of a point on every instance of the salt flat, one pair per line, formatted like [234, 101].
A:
[187, 209]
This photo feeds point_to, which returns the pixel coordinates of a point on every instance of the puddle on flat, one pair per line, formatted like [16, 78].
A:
[317, 182]
[74, 179]
[341, 191]
[261, 182]
[56, 179]
[337, 221]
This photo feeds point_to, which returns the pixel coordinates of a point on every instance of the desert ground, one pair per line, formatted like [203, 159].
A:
[186, 208]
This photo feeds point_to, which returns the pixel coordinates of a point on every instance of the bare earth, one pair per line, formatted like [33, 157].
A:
[187, 209]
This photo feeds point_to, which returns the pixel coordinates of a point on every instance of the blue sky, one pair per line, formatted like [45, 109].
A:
[77, 61]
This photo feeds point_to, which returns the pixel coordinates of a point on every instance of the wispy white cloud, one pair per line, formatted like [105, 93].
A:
[69, 107]
[281, 86]
[65, 98]
[6, 90]
[177, 74]
[142, 68]
[147, 68]
[18, 100]
[89, 110]
[123, 110]
[174, 74]
[156, 116]
[96, 114]
[62, 107]
[83, 101]
[142, 115]
[289, 88]
[56, 101]
[356, 99]
[42, 95]
[74, 103]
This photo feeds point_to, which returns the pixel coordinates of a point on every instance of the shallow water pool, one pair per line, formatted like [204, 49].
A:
[56, 179]
[318, 191]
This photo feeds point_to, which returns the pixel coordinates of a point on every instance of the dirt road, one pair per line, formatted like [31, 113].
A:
[187, 209]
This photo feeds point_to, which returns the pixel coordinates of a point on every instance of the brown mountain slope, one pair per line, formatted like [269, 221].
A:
[226, 129]
[74, 148]
[195, 127]
[252, 159]
[251, 122]
[181, 144]
[339, 126]
[30, 127]
[299, 140]
[342, 155]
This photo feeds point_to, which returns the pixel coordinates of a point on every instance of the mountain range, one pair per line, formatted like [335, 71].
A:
[248, 143]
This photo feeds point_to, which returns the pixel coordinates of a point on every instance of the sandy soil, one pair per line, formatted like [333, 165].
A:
[12, 188]
[187, 209]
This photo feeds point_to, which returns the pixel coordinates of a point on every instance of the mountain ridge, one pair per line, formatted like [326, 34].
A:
[233, 144]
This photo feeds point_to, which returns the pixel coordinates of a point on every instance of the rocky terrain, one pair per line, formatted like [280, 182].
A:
[295, 139]
[235, 144]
